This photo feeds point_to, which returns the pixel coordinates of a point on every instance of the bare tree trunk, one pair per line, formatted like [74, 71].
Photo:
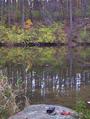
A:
[67, 8]
[70, 39]
[23, 14]
[21, 8]
[62, 9]
[2, 14]
[9, 11]
[14, 10]
[29, 7]
[71, 15]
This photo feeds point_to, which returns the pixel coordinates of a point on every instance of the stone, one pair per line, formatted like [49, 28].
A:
[40, 112]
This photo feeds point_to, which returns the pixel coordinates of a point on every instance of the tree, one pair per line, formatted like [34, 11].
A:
[2, 7]
[84, 7]
[9, 12]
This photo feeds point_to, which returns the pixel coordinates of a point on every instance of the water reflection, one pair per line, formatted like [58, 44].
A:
[49, 86]
[47, 83]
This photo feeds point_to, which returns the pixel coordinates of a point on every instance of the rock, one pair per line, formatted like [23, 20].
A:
[40, 112]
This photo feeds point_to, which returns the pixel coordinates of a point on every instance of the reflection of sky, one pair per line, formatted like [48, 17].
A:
[46, 83]
[58, 85]
[53, 83]
[73, 83]
[33, 85]
[43, 85]
[42, 88]
[33, 81]
[78, 81]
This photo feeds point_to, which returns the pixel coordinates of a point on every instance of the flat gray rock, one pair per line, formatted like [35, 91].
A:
[39, 112]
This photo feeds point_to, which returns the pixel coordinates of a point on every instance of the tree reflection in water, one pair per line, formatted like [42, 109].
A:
[49, 84]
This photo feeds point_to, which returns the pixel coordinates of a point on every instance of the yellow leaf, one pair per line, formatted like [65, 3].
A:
[28, 23]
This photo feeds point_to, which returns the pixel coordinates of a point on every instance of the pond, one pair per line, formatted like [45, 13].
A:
[50, 75]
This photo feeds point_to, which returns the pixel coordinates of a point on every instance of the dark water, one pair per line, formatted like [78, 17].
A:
[49, 75]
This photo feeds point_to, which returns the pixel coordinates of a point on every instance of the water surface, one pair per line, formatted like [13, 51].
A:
[48, 75]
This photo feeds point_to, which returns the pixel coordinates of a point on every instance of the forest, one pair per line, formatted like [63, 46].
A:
[48, 11]
[26, 20]
[44, 53]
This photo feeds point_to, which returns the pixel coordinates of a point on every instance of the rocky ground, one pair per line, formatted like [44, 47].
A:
[40, 112]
